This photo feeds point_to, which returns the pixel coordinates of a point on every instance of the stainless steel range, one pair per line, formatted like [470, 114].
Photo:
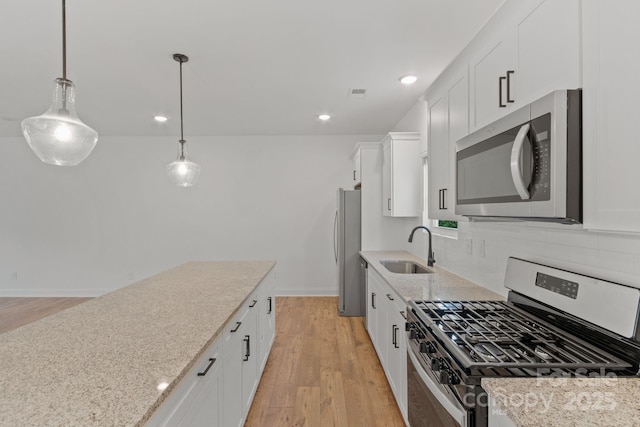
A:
[555, 323]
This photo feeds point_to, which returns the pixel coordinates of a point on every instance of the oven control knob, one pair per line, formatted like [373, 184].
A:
[447, 376]
[413, 334]
[427, 347]
[436, 364]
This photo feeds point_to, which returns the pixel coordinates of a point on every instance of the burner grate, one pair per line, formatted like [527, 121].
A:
[495, 334]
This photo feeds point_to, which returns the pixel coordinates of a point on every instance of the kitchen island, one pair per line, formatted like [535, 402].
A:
[114, 359]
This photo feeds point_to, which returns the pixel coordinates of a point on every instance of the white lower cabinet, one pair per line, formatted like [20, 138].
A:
[385, 323]
[219, 389]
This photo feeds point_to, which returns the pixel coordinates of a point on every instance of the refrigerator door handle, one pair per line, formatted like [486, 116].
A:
[335, 237]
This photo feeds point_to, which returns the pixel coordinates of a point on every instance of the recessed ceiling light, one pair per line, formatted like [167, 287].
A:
[408, 80]
[160, 119]
[324, 117]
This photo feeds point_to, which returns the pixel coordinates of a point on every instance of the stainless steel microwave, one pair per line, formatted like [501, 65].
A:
[527, 165]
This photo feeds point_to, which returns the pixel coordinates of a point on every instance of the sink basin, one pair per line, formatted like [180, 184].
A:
[404, 267]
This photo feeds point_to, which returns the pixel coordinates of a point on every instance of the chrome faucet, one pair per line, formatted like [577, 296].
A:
[430, 260]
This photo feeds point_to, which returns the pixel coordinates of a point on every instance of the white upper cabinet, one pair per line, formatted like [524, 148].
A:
[401, 172]
[492, 76]
[528, 50]
[610, 109]
[448, 111]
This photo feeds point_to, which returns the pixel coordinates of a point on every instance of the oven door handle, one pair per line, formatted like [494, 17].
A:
[458, 413]
[516, 162]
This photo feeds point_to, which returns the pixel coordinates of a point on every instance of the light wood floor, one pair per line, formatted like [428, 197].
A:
[15, 312]
[322, 371]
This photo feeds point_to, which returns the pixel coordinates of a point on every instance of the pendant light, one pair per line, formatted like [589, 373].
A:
[183, 172]
[58, 137]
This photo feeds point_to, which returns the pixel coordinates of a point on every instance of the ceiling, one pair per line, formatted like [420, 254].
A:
[256, 67]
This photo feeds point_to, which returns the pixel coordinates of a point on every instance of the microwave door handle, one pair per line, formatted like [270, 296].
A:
[516, 162]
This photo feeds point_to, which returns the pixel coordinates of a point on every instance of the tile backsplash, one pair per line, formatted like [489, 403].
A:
[481, 250]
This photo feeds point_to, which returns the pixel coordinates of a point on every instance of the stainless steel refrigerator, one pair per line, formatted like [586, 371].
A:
[346, 245]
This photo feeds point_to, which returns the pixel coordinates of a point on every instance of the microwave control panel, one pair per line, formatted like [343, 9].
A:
[540, 137]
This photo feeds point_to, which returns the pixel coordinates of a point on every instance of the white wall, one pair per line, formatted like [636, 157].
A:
[116, 218]
[481, 250]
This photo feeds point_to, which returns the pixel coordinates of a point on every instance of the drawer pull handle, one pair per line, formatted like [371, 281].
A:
[247, 339]
[253, 303]
[270, 305]
[211, 362]
[237, 327]
[500, 103]
[389, 296]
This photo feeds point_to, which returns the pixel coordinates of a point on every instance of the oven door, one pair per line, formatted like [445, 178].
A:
[429, 403]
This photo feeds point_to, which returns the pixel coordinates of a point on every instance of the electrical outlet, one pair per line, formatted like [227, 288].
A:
[480, 248]
[14, 275]
[468, 246]
[131, 276]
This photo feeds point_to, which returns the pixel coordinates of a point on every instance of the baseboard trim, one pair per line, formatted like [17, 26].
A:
[52, 293]
[306, 293]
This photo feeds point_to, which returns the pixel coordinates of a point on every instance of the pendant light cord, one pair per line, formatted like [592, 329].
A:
[181, 120]
[182, 141]
[64, 40]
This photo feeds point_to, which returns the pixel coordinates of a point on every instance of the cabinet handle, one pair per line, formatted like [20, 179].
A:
[389, 296]
[403, 315]
[509, 85]
[373, 299]
[237, 327]
[270, 305]
[393, 335]
[253, 303]
[211, 362]
[389, 204]
[442, 204]
[247, 339]
[354, 175]
[500, 80]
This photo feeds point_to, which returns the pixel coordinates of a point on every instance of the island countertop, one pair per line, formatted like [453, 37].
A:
[100, 362]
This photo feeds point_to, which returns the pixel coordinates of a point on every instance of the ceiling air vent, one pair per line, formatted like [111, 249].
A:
[357, 93]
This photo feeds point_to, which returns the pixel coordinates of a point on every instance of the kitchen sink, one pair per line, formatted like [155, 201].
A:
[404, 267]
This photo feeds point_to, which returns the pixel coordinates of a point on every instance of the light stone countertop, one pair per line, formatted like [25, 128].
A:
[567, 402]
[100, 362]
[528, 402]
[439, 285]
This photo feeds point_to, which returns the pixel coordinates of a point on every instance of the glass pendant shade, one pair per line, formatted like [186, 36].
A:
[58, 137]
[183, 172]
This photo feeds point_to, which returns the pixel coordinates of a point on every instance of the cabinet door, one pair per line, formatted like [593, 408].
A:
[610, 107]
[449, 121]
[387, 179]
[206, 408]
[356, 168]
[548, 50]
[398, 357]
[373, 310]
[232, 377]
[438, 155]
[249, 333]
[492, 73]
[267, 318]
